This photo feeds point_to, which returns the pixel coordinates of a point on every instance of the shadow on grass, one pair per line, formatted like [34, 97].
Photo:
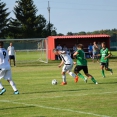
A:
[108, 83]
[16, 108]
[52, 91]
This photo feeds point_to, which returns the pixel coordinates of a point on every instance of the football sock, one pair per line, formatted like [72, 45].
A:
[13, 85]
[72, 74]
[81, 76]
[64, 78]
[103, 74]
[109, 69]
[1, 87]
[93, 79]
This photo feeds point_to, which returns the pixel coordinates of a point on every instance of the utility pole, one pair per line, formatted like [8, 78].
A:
[49, 32]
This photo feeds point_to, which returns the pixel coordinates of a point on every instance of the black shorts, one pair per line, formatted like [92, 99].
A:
[104, 64]
[11, 57]
[78, 68]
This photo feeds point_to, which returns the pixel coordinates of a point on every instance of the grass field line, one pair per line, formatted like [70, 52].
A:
[60, 109]
[42, 97]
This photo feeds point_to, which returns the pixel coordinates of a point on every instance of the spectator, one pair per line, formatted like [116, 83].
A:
[90, 50]
[65, 48]
[74, 48]
[58, 48]
[11, 53]
[95, 51]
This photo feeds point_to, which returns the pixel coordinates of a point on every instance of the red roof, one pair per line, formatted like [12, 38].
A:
[81, 36]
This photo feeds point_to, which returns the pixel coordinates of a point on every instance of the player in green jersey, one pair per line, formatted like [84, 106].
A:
[104, 60]
[81, 64]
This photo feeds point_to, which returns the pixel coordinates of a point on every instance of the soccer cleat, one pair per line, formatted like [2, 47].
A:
[3, 90]
[76, 79]
[16, 92]
[111, 72]
[104, 76]
[85, 80]
[64, 83]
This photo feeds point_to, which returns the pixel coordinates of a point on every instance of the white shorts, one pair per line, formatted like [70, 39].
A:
[67, 68]
[6, 74]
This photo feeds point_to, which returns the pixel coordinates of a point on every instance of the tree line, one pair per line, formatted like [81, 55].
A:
[28, 24]
[111, 32]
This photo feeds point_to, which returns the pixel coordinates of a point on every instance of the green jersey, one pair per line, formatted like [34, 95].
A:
[81, 59]
[104, 52]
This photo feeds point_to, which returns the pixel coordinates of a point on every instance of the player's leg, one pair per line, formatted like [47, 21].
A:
[64, 75]
[85, 70]
[2, 89]
[2, 73]
[77, 72]
[8, 77]
[72, 74]
[108, 69]
[14, 60]
[102, 69]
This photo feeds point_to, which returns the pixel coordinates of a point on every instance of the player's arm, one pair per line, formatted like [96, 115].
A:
[74, 55]
[61, 63]
[95, 45]
[109, 54]
[62, 52]
[98, 55]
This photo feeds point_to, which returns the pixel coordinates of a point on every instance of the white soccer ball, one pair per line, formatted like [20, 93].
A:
[54, 82]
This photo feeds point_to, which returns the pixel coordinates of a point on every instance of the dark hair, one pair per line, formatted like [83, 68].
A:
[104, 43]
[80, 46]
[1, 43]
[55, 49]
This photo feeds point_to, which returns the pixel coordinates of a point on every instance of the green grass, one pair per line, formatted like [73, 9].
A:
[38, 98]
[24, 56]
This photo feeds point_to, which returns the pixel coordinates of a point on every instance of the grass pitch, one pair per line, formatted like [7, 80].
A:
[38, 98]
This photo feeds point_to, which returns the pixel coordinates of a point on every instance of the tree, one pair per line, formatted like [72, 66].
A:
[3, 19]
[15, 29]
[32, 26]
[82, 33]
[25, 12]
[60, 34]
[69, 33]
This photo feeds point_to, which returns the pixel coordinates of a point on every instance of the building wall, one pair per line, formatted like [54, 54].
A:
[70, 42]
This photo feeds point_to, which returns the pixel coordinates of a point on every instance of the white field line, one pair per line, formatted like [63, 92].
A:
[52, 108]
[45, 97]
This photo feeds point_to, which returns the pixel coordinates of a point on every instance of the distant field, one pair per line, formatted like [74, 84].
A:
[114, 53]
[30, 55]
[38, 98]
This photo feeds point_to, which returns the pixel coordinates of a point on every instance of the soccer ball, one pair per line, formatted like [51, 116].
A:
[54, 82]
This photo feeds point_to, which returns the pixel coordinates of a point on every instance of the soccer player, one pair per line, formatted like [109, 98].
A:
[104, 60]
[82, 64]
[5, 70]
[11, 52]
[68, 65]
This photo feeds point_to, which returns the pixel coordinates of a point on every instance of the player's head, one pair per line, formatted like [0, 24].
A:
[103, 44]
[11, 44]
[1, 44]
[94, 42]
[56, 51]
[80, 46]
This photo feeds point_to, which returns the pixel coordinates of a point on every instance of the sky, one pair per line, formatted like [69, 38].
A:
[75, 15]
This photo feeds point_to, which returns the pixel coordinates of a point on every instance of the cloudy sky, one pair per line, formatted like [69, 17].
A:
[76, 15]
